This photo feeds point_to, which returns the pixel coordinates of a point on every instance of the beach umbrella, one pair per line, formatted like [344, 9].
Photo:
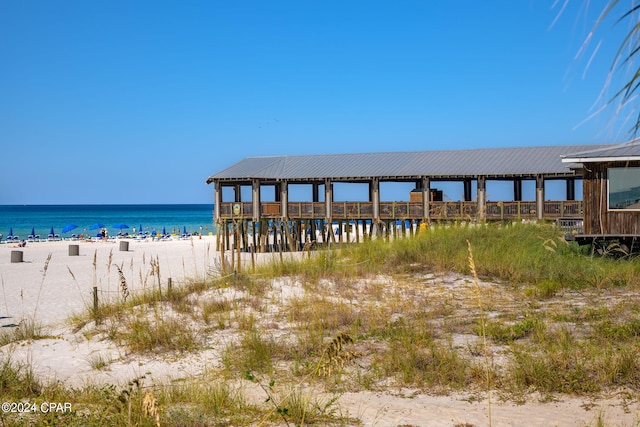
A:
[184, 230]
[164, 231]
[33, 231]
[121, 226]
[96, 226]
[67, 228]
[10, 232]
[140, 228]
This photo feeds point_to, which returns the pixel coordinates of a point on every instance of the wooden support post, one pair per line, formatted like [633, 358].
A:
[264, 234]
[517, 189]
[287, 233]
[281, 241]
[305, 233]
[253, 234]
[348, 232]
[223, 261]
[482, 198]
[571, 188]
[218, 236]
[243, 234]
[95, 302]
[358, 231]
[169, 287]
[233, 258]
[301, 234]
[540, 196]
[253, 259]
[332, 234]
[467, 190]
[297, 232]
[237, 240]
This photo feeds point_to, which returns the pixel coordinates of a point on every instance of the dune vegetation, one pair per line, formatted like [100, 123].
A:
[498, 311]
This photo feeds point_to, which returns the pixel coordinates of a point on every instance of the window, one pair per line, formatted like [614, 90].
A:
[624, 188]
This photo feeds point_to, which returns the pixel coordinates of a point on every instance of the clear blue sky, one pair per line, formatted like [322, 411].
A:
[140, 101]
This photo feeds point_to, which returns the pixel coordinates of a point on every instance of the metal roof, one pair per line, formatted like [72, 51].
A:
[621, 152]
[489, 162]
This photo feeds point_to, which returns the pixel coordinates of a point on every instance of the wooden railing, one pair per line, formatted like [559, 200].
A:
[510, 210]
[307, 210]
[407, 210]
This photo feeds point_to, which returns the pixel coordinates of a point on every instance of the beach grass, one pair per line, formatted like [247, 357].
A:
[529, 312]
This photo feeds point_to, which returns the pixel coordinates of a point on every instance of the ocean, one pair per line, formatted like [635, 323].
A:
[174, 218]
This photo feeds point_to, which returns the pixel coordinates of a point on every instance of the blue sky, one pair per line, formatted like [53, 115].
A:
[139, 102]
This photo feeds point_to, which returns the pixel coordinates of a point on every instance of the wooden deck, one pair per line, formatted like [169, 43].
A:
[493, 211]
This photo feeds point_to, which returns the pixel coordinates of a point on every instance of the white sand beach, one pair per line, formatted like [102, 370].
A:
[65, 288]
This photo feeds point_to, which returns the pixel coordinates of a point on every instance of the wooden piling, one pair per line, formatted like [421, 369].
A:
[95, 301]
[237, 240]
[279, 228]
[299, 234]
[254, 238]
[347, 237]
[263, 228]
[223, 261]
[244, 234]
[233, 240]
[253, 259]
[290, 239]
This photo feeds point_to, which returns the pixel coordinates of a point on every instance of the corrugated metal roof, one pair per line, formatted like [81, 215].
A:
[493, 162]
[627, 151]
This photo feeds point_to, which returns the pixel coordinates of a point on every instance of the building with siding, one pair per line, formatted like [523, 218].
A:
[611, 193]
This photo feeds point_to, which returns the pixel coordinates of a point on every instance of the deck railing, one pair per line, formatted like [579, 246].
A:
[307, 210]
[516, 210]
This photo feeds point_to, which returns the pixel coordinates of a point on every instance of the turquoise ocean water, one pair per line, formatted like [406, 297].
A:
[174, 218]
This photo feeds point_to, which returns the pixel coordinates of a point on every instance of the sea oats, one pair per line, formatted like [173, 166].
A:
[123, 283]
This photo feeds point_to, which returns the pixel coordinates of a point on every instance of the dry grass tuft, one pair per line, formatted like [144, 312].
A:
[335, 355]
[124, 290]
[150, 407]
